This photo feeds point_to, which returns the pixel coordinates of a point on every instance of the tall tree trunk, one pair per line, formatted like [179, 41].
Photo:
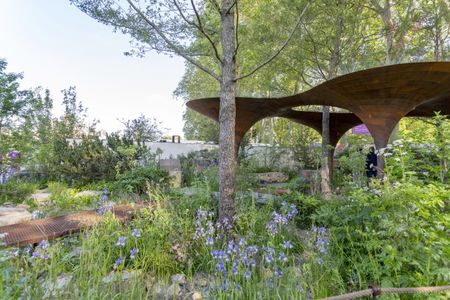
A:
[437, 40]
[271, 132]
[261, 128]
[386, 16]
[325, 183]
[327, 152]
[227, 114]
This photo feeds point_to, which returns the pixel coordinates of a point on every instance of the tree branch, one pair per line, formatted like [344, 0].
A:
[275, 54]
[231, 6]
[305, 81]
[202, 30]
[236, 31]
[171, 44]
[198, 26]
[216, 5]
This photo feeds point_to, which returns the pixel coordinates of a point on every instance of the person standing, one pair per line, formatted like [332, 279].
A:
[371, 163]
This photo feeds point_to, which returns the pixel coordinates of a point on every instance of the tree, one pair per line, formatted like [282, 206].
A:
[142, 130]
[435, 22]
[397, 19]
[13, 101]
[170, 26]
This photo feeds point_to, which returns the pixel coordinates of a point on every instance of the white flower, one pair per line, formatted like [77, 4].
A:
[380, 151]
[387, 154]
[397, 159]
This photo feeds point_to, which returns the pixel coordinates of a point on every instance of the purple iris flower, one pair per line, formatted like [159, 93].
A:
[287, 245]
[121, 241]
[247, 274]
[136, 233]
[278, 272]
[118, 262]
[282, 257]
[209, 241]
[43, 245]
[133, 253]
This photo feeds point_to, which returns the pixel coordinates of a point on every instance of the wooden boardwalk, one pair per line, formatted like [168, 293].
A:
[48, 229]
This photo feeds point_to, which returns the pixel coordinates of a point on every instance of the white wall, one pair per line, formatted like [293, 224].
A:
[172, 150]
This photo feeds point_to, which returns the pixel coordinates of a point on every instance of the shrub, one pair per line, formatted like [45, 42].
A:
[16, 191]
[137, 180]
[393, 235]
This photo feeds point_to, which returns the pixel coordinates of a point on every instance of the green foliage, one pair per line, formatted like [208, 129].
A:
[426, 150]
[13, 102]
[194, 163]
[142, 130]
[139, 179]
[16, 191]
[393, 235]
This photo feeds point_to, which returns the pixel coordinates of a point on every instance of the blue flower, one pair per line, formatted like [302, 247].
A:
[43, 245]
[287, 245]
[300, 288]
[36, 254]
[45, 256]
[136, 233]
[103, 197]
[133, 253]
[282, 257]
[247, 274]
[270, 283]
[209, 241]
[121, 241]
[117, 262]
[278, 272]
[105, 191]
[319, 261]
[104, 209]
[220, 266]
[234, 267]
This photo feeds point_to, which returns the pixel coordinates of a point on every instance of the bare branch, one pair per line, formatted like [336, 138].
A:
[275, 54]
[199, 27]
[178, 50]
[231, 6]
[216, 5]
[305, 81]
[203, 31]
[316, 60]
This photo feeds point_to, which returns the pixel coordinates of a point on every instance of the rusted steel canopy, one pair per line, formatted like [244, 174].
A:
[377, 97]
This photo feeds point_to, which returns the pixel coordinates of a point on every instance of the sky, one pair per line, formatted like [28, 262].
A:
[55, 45]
